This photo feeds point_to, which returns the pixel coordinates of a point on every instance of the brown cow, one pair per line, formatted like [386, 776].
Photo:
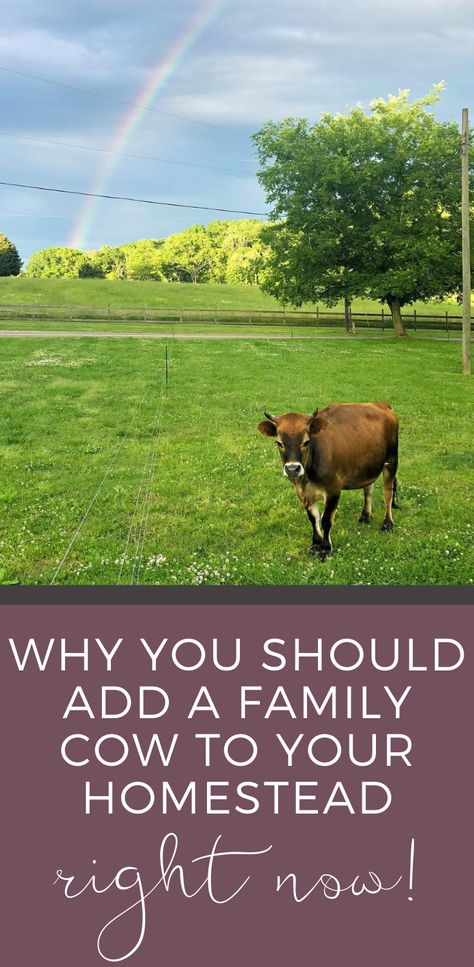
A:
[346, 446]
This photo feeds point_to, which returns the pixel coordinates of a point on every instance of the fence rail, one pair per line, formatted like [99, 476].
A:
[311, 319]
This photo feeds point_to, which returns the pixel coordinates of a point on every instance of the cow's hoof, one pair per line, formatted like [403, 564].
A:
[318, 550]
[324, 553]
[387, 525]
[365, 518]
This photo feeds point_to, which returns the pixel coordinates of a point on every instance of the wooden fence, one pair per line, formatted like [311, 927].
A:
[306, 319]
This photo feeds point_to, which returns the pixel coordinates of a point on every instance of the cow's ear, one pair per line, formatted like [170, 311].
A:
[315, 423]
[267, 427]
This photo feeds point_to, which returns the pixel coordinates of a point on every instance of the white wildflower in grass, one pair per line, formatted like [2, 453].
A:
[42, 358]
[156, 560]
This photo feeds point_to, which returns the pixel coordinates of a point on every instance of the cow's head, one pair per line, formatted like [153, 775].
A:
[292, 433]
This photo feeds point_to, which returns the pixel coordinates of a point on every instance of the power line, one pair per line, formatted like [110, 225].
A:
[119, 100]
[139, 201]
[121, 154]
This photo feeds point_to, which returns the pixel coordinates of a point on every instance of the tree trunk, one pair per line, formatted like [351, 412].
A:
[398, 324]
[350, 327]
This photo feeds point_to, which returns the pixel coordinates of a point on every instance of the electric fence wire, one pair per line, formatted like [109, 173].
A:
[138, 526]
[137, 563]
[102, 482]
[123, 556]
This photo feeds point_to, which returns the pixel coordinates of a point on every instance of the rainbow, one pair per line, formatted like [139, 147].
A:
[161, 73]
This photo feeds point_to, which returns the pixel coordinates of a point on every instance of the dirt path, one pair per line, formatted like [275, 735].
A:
[96, 334]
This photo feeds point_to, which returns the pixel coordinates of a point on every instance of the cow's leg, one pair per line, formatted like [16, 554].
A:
[366, 513]
[389, 489]
[313, 514]
[394, 498]
[330, 508]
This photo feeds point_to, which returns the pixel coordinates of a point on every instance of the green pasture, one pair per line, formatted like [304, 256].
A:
[188, 492]
[185, 295]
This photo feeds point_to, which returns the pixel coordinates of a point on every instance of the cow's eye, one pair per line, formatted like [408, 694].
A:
[279, 444]
[305, 443]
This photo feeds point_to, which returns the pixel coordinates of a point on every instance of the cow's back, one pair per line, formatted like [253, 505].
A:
[351, 443]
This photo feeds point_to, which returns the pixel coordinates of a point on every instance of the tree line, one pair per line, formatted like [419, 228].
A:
[223, 251]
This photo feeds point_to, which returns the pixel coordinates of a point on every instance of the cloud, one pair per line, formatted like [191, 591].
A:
[58, 58]
[298, 35]
[368, 23]
[72, 18]
[250, 87]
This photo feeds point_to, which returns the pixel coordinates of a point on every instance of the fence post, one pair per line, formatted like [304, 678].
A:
[466, 247]
[414, 319]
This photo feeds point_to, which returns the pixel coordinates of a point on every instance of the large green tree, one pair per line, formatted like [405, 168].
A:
[319, 231]
[10, 261]
[365, 204]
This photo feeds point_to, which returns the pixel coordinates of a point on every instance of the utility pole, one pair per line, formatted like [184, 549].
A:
[466, 248]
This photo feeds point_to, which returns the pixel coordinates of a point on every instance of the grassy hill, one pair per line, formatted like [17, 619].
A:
[102, 292]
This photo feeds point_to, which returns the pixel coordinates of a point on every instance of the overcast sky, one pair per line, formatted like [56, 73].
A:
[226, 67]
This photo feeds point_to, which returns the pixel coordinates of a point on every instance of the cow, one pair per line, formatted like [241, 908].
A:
[345, 446]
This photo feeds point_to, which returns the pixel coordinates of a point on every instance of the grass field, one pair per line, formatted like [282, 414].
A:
[194, 495]
[100, 292]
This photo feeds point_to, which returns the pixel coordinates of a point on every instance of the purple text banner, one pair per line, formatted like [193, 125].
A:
[236, 785]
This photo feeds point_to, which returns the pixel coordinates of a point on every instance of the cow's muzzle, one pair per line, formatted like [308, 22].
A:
[293, 470]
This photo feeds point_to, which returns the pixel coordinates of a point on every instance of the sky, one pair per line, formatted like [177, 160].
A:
[159, 100]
